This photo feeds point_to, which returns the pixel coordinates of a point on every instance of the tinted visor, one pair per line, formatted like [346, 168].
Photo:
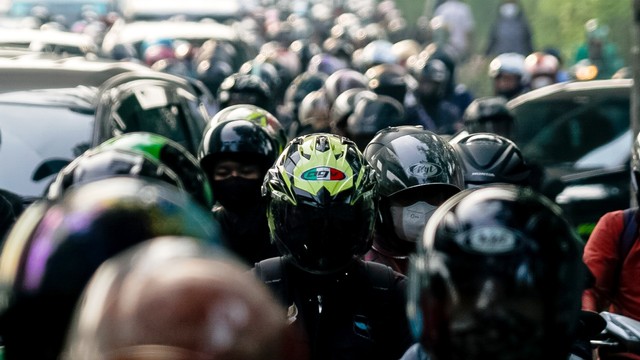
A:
[323, 240]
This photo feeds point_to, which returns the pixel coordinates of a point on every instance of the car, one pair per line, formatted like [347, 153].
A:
[41, 131]
[35, 70]
[138, 33]
[50, 107]
[135, 10]
[580, 133]
[49, 41]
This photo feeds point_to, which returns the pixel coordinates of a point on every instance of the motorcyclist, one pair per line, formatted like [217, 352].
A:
[321, 197]
[490, 159]
[509, 76]
[417, 171]
[55, 246]
[235, 154]
[497, 275]
[172, 297]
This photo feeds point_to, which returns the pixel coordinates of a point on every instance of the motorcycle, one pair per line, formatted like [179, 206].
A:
[609, 334]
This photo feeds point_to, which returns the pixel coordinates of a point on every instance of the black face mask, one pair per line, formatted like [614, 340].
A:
[237, 194]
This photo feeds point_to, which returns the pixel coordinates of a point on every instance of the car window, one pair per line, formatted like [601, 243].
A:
[568, 132]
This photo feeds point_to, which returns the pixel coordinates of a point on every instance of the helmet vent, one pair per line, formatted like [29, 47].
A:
[322, 144]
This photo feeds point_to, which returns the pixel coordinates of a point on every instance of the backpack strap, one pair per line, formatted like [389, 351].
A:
[629, 232]
[269, 271]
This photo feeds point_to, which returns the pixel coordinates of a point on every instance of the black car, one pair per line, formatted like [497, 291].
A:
[580, 134]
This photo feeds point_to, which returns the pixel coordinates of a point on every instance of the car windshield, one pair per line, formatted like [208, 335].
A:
[575, 133]
[30, 153]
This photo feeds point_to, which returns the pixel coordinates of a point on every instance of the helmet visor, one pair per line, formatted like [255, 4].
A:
[323, 240]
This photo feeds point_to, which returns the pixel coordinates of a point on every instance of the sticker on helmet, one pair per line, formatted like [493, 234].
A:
[489, 240]
[425, 170]
[323, 173]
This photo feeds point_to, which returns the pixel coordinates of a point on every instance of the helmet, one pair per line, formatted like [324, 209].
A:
[390, 80]
[239, 139]
[156, 52]
[314, 111]
[404, 49]
[412, 165]
[542, 68]
[489, 158]
[101, 164]
[302, 85]
[498, 274]
[245, 89]
[322, 203]
[371, 114]
[212, 73]
[265, 71]
[255, 114]
[171, 154]
[509, 63]
[433, 71]
[342, 80]
[155, 102]
[305, 50]
[385, 136]
[488, 114]
[377, 52]
[326, 63]
[55, 247]
[171, 297]
[343, 107]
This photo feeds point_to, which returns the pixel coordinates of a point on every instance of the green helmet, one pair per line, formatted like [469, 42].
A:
[322, 202]
[170, 153]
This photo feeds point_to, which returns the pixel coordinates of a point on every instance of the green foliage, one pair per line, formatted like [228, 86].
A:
[555, 23]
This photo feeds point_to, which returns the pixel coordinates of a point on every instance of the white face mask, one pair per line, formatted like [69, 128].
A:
[409, 221]
[509, 10]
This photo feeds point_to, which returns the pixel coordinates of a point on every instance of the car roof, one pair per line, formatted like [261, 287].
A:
[138, 31]
[571, 89]
[198, 9]
[42, 71]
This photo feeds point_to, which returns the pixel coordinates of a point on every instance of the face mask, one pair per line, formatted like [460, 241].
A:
[237, 194]
[409, 221]
[509, 10]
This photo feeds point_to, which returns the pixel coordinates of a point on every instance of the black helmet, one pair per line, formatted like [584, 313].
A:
[488, 114]
[102, 164]
[255, 114]
[55, 247]
[322, 203]
[498, 272]
[489, 158]
[245, 89]
[343, 107]
[342, 80]
[237, 139]
[212, 73]
[412, 165]
[433, 71]
[171, 154]
[390, 80]
[265, 71]
[371, 114]
[313, 113]
[155, 102]
[302, 85]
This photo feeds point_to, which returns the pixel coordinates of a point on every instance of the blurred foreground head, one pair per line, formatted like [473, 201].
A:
[55, 247]
[171, 299]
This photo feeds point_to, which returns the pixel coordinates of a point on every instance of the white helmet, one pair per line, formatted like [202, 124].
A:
[510, 63]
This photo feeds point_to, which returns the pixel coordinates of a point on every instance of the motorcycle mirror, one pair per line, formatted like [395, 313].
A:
[590, 324]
